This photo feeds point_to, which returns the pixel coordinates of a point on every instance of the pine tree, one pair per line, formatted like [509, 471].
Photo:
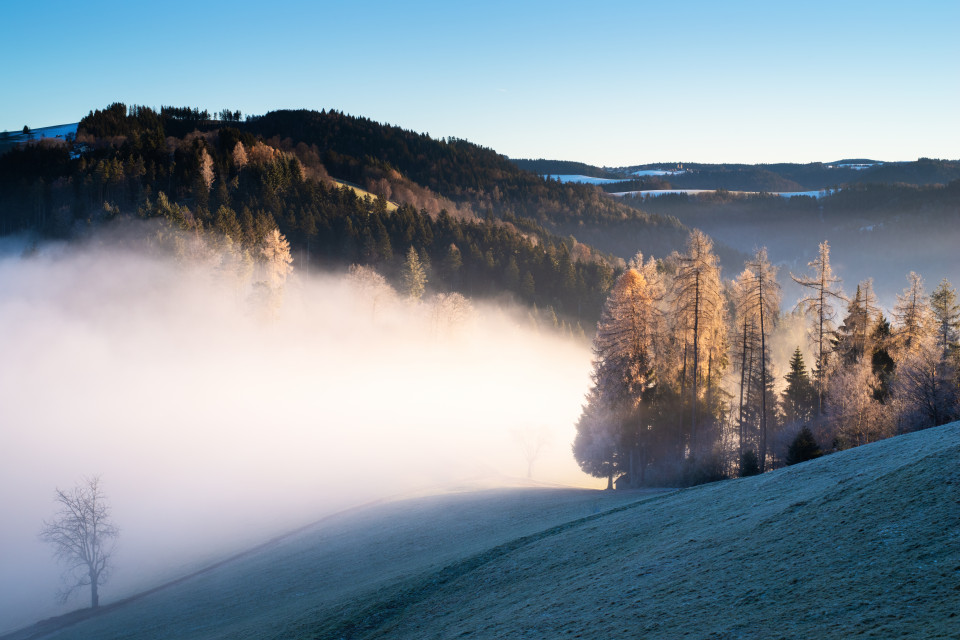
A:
[414, 276]
[804, 447]
[800, 396]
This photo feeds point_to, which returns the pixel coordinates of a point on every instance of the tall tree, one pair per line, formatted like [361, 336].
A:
[911, 314]
[763, 300]
[800, 396]
[625, 350]
[946, 315]
[414, 275]
[825, 289]
[83, 536]
[698, 298]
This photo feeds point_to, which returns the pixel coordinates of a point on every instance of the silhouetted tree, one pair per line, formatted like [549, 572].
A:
[83, 535]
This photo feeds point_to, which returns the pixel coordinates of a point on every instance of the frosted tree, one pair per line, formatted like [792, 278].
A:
[946, 316]
[912, 314]
[83, 536]
[825, 290]
[414, 275]
[924, 386]
[450, 311]
[371, 285]
[698, 298]
[625, 349]
[267, 294]
[851, 409]
[853, 335]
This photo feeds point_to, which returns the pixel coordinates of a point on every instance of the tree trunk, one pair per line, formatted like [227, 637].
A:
[610, 481]
[94, 596]
[763, 387]
[696, 362]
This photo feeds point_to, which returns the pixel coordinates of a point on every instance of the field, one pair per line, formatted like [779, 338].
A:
[863, 543]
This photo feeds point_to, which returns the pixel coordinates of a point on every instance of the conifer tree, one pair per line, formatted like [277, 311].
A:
[414, 275]
[698, 299]
[763, 301]
[800, 396]
[825, 289]
[946, 315]
[625, 365]
[912, 314]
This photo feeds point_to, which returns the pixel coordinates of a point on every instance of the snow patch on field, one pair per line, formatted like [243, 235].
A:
[581, 179]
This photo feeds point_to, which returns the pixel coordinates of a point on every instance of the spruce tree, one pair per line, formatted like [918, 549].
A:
[800, 396]
[414, 275]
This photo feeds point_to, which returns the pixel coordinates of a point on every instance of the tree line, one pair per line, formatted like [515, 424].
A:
[683, 385]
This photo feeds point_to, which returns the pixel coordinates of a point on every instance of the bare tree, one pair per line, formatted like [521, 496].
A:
[83, 537]
[532, 440]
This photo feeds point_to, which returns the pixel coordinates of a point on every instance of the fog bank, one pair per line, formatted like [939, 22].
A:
[213, 428]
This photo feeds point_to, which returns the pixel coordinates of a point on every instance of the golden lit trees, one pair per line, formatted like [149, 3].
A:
[825, 289]
[698, 300]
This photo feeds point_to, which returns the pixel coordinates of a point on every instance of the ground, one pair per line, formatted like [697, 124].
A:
[863, 543]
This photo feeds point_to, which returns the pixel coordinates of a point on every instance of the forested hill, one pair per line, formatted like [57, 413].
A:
[564, 167]
[363, 151]
[479, 224]
[780, 177]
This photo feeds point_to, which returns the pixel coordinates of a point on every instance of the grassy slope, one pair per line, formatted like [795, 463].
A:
[862, 543]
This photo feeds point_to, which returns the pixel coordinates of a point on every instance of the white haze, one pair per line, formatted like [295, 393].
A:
[212, 430]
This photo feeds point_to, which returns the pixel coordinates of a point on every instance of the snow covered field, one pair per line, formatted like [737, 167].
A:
[653, 193]
[582, 179]
[862, 543]
[659, 172]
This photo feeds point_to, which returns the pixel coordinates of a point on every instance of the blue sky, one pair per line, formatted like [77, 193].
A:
[609, 83]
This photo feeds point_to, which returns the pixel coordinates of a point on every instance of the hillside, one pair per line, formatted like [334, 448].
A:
[859, 543]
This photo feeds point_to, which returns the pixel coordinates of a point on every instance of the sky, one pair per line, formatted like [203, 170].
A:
[608, 83]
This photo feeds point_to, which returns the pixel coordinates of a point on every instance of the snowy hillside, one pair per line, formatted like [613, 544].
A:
[863, 542]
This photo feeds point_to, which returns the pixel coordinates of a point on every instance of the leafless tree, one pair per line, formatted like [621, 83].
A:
[83, 536]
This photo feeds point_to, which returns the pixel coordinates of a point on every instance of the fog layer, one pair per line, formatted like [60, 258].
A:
[213, 429]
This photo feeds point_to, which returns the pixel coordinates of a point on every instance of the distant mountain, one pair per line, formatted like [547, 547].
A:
[780, 177]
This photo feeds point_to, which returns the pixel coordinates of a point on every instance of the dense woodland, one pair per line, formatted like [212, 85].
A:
[684, 390]
[474, 219]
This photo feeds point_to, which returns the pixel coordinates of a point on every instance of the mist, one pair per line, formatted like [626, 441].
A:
[213, 428]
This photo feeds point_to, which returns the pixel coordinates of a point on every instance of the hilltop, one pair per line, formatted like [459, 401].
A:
[859, 543]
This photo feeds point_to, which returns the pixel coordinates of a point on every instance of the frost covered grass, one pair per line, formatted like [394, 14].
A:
[863, 543]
